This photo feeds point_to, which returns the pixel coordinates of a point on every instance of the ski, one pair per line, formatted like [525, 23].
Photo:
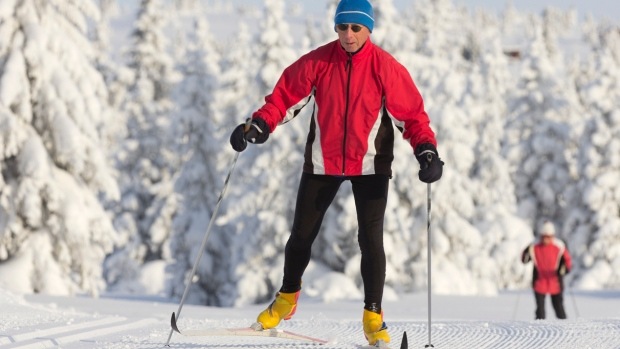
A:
[245, 331]
[378, 345]
[382, 345]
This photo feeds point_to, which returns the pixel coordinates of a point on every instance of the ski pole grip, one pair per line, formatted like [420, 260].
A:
[429, 157]
[248, 124]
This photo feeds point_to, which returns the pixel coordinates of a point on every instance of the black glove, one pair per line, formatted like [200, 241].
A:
[431, 166]
[257, 132]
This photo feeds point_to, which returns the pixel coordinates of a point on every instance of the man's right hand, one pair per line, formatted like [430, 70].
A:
[255, 131]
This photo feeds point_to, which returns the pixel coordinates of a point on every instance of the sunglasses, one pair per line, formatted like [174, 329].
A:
[356, 28]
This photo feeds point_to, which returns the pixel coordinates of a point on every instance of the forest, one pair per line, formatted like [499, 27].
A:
[114, 128]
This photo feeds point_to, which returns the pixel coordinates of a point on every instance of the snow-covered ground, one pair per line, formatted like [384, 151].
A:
[503, 321]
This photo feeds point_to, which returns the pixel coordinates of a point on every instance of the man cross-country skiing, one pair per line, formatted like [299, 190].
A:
[551, 262]
[359, 92]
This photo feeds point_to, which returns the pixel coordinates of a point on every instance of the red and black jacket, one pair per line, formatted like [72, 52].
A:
[357, 97]
[551, 262]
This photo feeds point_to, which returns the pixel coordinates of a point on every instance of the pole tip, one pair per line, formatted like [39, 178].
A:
[403, 343]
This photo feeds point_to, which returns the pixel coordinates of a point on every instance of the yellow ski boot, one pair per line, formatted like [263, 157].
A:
[282, 308]
[375, 329]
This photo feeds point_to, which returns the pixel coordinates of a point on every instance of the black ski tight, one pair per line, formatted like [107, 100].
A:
[557, 301]
[316, 193]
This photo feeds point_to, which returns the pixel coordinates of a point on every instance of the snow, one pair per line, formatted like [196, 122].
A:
[112, 155]
[128, 322]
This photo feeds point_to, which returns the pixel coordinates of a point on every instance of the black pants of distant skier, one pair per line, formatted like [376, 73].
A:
[316, 193]
[557, 300]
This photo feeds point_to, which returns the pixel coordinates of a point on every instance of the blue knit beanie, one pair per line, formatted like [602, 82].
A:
[355, 11]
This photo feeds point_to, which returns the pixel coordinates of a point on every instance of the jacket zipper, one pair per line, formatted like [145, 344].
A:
[348, 69]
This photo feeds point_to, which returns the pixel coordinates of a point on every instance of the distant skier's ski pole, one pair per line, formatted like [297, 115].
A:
[204, 240]
[428, 247]
[570, 290]
[514, 311]
[516, 307]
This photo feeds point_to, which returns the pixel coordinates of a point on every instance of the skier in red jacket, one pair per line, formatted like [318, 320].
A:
[551, 262]
[360, 92]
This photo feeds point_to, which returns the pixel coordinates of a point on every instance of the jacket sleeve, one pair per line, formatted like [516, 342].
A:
[290, 94]
[525, 255]
[405, 106]
[567, 260]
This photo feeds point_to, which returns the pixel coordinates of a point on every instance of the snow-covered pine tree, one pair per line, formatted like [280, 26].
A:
[323, 32]
[431, 21]
[443, 76]
[238, 87]
[274, 45]
[539, 142]
[263, 203]
[202, 112]
[236, 98]
[593, 223]
[390, 32]
[148, 159]
[497, 265]
[54, 119]
[116, 76]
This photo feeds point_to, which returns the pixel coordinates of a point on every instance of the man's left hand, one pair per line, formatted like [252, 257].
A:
[431, 166]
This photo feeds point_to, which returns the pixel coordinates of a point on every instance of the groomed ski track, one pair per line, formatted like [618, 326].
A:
[130, 324]
[113, 332]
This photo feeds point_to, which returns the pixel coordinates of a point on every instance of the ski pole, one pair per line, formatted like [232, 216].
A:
[572, 296]
[516, 307]
[207, 233]
[428, 247]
